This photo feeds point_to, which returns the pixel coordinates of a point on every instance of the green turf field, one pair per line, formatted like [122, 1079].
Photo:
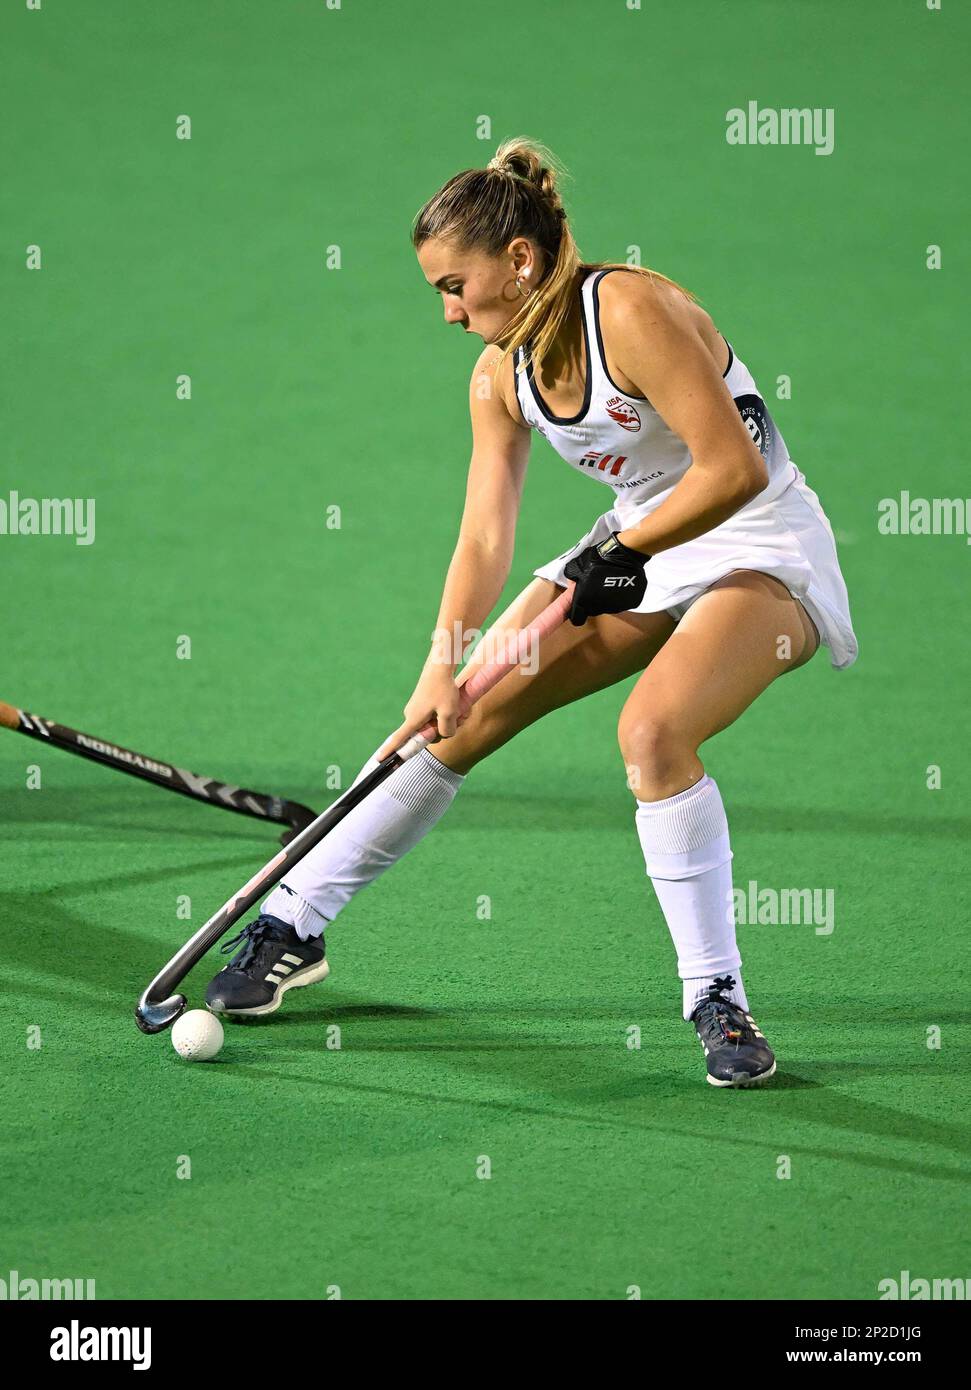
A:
[611, 1167]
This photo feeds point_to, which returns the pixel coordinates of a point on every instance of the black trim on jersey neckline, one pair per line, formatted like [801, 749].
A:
[600, 342]
[731, 356]
[588, 385]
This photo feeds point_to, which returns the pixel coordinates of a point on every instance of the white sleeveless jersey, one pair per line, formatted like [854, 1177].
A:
[622, 441]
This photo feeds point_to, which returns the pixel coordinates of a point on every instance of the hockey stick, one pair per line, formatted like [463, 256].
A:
[159, 1006]
[174, 779]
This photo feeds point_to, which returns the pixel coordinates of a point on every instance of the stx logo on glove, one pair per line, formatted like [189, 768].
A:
[601, 571]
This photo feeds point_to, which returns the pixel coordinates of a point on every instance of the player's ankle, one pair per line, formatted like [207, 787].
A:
[289, 907]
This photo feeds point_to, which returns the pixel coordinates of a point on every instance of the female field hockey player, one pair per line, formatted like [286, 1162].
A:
[713, 572]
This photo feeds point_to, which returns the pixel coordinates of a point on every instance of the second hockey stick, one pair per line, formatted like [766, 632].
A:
[175, 779]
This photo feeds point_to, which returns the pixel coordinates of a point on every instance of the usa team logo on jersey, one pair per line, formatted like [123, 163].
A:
[623, 412]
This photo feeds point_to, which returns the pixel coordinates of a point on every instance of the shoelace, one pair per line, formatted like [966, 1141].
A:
[253, 936]
[721, 1020]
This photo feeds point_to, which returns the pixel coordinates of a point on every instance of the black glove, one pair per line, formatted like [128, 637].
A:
[609, 578]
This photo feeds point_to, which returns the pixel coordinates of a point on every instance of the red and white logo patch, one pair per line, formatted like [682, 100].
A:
[624, 413]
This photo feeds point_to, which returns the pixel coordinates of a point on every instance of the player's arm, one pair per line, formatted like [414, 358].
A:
[483, 553]
[482, 557]
[657, 347]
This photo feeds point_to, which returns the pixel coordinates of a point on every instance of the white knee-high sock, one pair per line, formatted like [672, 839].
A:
[689, 857]
[387, 823]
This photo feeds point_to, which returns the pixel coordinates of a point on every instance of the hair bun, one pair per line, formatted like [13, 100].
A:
[518, 168]
[531, 162]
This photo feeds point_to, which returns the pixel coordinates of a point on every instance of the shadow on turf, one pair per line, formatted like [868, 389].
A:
[60, 813]
[96, 940]
[598, 1089]
[916, 1018]
[321, 1017]
[484, 1040]
[542, 1064]
[57, 813]
[497, 811]
[655, 1089]
[561, 1067]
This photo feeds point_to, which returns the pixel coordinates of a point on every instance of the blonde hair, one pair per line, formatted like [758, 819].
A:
[517, 195]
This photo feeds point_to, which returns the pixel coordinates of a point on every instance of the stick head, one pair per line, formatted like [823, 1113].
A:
[155, 1015]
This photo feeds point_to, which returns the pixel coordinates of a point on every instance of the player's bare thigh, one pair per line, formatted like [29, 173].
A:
[568, 664]
[796, 638]
[747, 629]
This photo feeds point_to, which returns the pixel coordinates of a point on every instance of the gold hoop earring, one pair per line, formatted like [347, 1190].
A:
[524, 294]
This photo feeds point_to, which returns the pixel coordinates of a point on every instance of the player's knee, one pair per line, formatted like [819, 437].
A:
[652, 745]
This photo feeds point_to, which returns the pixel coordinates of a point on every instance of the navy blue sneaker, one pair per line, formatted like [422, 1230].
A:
[271, 960]
[735, 1050]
